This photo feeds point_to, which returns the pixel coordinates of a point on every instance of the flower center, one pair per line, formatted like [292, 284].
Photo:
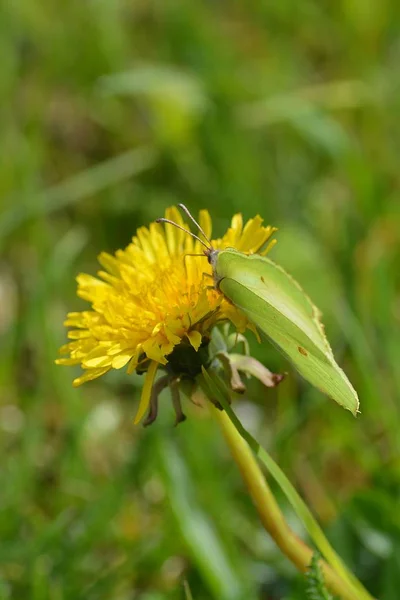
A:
[185, 360]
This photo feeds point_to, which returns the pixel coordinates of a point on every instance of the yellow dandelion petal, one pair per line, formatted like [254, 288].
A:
[146, 391]
[174, 235]
[237, 224]
[117, 348]
[132, 365]
[268, 248]
[97, 361]
[121, 360]
[250, 234]
[155, 351]
[110, 263]
[75, 319]
[89, 282]
[194, 338]
[111, 279]
[89, 375]
[67, 361]
[78, 334]
[158, 240]
[205, 222]
[143, 236]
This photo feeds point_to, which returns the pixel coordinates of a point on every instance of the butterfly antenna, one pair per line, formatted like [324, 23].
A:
[188, 214]
[162, 220]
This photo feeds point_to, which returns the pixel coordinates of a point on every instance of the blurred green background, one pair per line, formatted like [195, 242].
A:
[110, 112]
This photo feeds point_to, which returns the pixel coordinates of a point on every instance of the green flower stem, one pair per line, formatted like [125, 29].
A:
[268, 509]
[214, 387]
[271, 515]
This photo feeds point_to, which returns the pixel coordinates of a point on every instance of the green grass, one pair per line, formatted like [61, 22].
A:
[112, 111]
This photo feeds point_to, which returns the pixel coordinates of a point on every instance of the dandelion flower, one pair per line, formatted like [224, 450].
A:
[152, 303]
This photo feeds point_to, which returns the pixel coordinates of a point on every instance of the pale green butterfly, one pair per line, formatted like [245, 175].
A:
[274, 302]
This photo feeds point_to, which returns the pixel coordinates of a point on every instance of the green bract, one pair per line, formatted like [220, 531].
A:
[276, 304]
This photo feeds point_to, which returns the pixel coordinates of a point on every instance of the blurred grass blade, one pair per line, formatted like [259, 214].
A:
[218, 391]
[331, 95]
[86, 183]
[197, 530]
[166, 82]
[187, 591]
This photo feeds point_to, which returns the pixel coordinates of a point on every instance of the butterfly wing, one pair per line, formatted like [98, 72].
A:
[274, 302]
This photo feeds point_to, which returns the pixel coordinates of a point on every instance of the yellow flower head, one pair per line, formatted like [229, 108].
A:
[152, 297]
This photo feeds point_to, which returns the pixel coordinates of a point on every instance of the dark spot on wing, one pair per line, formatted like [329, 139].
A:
[302, 351]
[262, 279]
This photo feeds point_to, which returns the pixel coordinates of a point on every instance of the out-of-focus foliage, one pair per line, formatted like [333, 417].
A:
[111, 111]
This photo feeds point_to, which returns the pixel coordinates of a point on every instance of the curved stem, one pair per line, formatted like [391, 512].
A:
[268, 509]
